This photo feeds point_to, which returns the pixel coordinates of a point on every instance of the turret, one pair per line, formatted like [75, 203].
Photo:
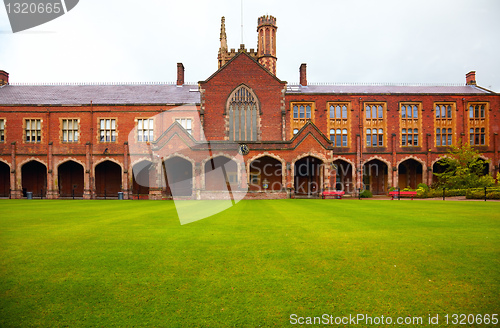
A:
[266, 43]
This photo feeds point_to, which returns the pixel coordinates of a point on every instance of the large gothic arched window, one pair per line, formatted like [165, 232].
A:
[242, 115]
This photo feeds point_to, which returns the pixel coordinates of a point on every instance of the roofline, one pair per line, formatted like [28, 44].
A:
[231, 60]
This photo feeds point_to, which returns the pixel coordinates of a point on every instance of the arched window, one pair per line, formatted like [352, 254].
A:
[242, 113]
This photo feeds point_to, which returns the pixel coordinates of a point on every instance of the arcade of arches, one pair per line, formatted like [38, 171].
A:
[180, 177]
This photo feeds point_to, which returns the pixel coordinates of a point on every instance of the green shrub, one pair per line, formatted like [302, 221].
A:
[366, 194]
[423, 186]
[478, 193]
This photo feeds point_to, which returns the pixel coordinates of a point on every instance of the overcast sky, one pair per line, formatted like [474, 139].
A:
[359, 41]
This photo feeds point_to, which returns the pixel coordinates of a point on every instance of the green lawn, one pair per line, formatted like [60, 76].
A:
[131, 264]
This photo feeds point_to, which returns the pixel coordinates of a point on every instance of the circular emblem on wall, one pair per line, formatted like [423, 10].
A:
[243, 150]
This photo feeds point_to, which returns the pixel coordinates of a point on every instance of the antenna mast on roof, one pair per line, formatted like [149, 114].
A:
[241, 21]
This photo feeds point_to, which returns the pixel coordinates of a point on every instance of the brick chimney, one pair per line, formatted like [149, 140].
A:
[180, 74]
[303, 74]
[470, 78]
[4, 78]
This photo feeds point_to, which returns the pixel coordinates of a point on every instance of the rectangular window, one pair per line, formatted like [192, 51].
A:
[444, 137]
[375, 123]
[410, 124]
[478, 123]
[374, 137]
[338, 122]
[300, 114]
[444, 123]
[33, 130]
[70, 130]
[2, 130]
[107, 130]
[145, 129]
[187, 124]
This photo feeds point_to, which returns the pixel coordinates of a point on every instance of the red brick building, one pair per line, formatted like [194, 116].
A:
[91, 141]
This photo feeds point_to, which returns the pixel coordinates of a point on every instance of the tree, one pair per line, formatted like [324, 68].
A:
[464, 168]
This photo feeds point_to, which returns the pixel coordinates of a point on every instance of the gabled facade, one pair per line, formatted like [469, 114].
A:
[95, 141]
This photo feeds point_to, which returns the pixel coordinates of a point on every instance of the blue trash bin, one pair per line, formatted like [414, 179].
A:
[120, 195]
[29, 195]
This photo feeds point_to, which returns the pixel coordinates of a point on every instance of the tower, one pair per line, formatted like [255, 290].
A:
[266, 43]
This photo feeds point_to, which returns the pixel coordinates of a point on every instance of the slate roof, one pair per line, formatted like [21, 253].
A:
[99, 94]
[386, 89]
[141, 94]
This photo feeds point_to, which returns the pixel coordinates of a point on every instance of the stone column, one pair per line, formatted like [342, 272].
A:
[15, 179]
[87, 189]
[52, 188]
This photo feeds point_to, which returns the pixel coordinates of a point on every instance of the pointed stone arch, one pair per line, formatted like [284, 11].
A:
[70, 178]
[4, 179]
[267, 175]
[377, 179]
[242, 114]
[34, 177]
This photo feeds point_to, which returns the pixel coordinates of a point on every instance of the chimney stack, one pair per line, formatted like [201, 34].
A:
[470, 78]
[303, 75]
[180, 74]
[4, 78]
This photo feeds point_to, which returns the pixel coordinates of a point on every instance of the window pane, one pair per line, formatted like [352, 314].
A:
[443, 111]
[102, 135]
[296, 112]
[337, 111]
[482, 111]
[482, 139]
[70, 137]
[308, 111]
[65, 124]
[403, 139]
[449, 140]
[471, 112]
[102, 124]
[2, 124]
[476, 112]
[403, 111]
[380, 140]
[302, 115]
[437, 112]
[65, 135]
[415, 139]
[449, 131]
[38, 125]
[338, 131]
[344, 131]
[113, 124]
[295, 131]
[368, 140]
[380, 131]
[374, 140]
[108, 124]
[403, 131]
[188, 124]
[374, 111]
[368, 131]
[449, 111]
[76, 136]
[338, 140]
[438, 140]
[380, 112]
[368, 113]
[415, 111]
[70, 124]
[438, 131]
[76, 124]
[139, 125]
[410, 139]
[410, 131]
[344, 140]
[332, 111]
[344, 111]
